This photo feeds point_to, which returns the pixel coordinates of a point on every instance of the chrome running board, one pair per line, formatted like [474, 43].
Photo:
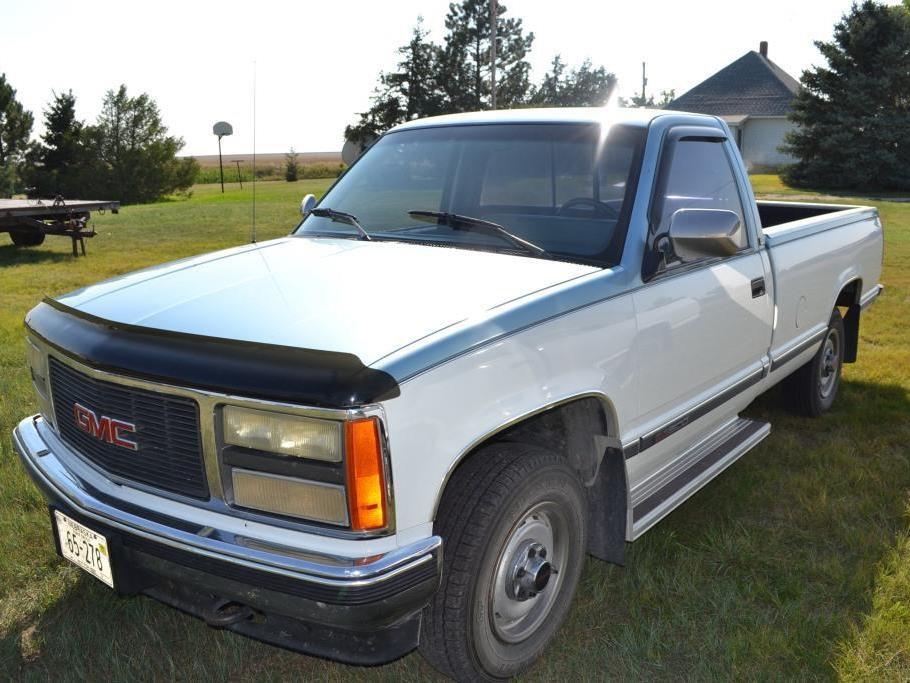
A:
[704, 462]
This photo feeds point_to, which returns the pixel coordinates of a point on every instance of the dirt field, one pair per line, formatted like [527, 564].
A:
[303, 158]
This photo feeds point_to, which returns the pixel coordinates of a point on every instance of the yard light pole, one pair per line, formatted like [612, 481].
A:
[493, 23]
[239, 177]
[221, 129]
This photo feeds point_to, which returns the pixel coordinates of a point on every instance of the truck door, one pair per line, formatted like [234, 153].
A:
[704, 324]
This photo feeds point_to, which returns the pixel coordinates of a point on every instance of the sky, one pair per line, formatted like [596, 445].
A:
[316, 63]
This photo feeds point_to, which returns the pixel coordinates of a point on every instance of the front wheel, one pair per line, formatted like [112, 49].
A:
[811, 390]
[513, 522]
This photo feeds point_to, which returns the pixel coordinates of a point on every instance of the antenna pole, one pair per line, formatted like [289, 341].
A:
[253, 235]
[493, 23]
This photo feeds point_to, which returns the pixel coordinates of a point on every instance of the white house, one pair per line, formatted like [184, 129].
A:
[753, 95]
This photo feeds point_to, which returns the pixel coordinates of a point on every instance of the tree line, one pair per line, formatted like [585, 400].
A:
[126, 155]
[454, 76]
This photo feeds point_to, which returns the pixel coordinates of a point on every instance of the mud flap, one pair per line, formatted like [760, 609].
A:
[608, 505]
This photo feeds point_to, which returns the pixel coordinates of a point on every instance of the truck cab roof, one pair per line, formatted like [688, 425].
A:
[630, 117]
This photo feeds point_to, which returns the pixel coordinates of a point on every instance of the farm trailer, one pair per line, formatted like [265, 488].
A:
[28, 221]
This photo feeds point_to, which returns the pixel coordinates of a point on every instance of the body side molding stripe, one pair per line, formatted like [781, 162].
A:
[657, 435]
[802, 346]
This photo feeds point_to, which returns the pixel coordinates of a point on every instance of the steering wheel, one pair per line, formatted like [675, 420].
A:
[600, 210]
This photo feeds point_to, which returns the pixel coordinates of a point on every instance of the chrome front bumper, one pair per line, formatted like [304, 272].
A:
[370, 592]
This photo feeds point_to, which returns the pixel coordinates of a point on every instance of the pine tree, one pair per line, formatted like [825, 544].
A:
[455, 77]
[585, 86]
[638, 100]
[15, 130]
[854, 113]
[466, 57]
[412, 91]
[57, 165]
[291, 166]
[416, 81]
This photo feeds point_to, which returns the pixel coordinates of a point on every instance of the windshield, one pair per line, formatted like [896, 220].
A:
[559, 187]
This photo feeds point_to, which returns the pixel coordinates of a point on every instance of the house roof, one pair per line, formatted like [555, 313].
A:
[753, 85]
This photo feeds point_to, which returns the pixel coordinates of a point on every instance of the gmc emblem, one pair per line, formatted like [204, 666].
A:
[105, 428]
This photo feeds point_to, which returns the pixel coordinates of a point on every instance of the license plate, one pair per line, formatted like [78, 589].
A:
[84, 548]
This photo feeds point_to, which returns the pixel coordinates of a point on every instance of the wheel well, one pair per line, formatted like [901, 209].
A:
[848, 298]
[580, 431]
[850, 294]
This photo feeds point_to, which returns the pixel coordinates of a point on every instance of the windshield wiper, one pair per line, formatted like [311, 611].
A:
[342, 217]
[459, 222]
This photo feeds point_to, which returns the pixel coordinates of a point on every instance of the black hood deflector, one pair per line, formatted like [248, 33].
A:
[309, 377]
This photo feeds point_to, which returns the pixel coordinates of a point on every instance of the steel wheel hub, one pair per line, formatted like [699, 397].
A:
[531, 572]
[527, 575]
[829, 364]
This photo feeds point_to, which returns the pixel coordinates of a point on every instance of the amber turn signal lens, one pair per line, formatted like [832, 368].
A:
[366, 479]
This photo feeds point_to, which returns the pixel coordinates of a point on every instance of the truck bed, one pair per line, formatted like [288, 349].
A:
[786, 221]
[816, 250]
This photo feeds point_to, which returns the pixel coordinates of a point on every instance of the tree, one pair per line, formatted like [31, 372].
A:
[416, 80]
[15, 130]
[57, 164]
[585, 86]
[854, 113]
[291, 167]
[466, 57]
[136, 158]
[410, 92]
[640, 101]
[455, 77]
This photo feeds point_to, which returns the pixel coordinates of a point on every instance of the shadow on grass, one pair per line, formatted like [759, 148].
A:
[11, 255]
[761, 575]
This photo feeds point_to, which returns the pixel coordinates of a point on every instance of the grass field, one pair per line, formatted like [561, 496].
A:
[794, 564]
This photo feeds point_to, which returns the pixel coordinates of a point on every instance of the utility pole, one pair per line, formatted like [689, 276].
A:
[493, 22]
[239, 177]
[644, 83]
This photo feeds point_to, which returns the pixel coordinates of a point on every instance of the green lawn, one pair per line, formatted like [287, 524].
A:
[795, 563]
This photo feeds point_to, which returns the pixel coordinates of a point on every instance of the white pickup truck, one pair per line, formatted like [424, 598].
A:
[501, 342]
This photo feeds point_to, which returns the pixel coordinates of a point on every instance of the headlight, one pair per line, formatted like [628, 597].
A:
[350, 487]
[303, 437]
[289, 496]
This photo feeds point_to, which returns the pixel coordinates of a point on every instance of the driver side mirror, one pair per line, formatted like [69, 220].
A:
[703, 233]
[307, 205]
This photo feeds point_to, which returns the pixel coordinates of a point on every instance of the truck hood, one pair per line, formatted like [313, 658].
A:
[364, 298]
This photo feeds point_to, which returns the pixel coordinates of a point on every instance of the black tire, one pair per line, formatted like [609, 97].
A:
[27, 239]
[493, 519]
[811, 390]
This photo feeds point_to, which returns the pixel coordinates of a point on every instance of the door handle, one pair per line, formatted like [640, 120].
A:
[758, 287]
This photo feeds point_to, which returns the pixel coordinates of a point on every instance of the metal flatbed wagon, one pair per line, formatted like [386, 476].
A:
[28, 221]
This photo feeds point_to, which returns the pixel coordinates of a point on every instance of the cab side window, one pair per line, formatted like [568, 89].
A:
[700, 177]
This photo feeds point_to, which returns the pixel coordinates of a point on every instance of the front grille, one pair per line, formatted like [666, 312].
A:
[168, 454]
